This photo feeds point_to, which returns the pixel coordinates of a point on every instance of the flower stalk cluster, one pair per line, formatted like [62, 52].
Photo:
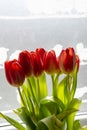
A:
[38, 110]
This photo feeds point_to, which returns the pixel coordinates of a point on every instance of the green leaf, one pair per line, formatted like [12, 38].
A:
[26, 97]
[74, 76]
[75, 103]
[61, 90]
[59, 103]
[41, 126]
[26, 117]
[30, 94]
[77, 125]
[50, 123]
[44, 112]
[13, 122]
[85, 128]
[42, 84]
[48, 107]
[64, 114]
[31, 87]
[51, 103]
[37, 87]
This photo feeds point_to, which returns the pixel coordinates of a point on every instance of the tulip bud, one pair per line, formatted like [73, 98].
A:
[50, 62]
[14, 73]
[36, 64]
[67, 60]
[25, 61]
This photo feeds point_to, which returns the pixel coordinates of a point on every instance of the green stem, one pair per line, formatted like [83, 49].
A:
[70, 118]
[38, 90]
[68, 98]
[36, 110]
[74, 85]
[68, 88]
[54, 84]
[22, 100]
[31, 89]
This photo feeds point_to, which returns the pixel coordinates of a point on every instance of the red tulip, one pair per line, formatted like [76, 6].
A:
[14, 73]
[51, 62]
[41, 52]
[67, 60]
[25, 60]
[36, 64]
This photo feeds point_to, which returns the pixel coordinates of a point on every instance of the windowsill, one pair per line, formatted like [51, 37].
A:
[82, 117]
[42, 16]
[7, 128]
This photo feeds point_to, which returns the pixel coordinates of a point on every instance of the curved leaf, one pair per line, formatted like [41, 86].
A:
[65, 113]
[26, 117]
[13, 122]
[50, 123]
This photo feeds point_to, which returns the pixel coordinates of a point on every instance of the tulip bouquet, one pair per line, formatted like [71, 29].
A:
[38, 109]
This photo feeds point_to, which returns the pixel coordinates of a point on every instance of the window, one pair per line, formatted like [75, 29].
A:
[27, 24]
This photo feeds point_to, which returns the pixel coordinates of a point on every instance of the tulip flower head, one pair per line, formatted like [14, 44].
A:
[50, 62]
[14, 73]
[36, 64]
[41, 52]
[25, 61]
[67, 60]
